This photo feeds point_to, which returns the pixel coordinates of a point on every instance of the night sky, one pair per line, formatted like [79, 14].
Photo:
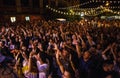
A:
[97, 4]
[25, 3]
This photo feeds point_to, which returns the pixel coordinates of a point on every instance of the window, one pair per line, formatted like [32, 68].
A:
[9, 2]
[27, 18]
[12, 19]
[35, 3]
[25, 3]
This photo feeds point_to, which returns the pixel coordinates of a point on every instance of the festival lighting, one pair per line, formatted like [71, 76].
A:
[107, 4]
[82, 14]
[87, 11]
[91, 1]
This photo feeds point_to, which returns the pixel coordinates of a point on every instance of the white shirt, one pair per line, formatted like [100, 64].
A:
[42, 68]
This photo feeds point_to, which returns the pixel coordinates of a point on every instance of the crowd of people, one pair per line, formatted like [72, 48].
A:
[54, 49]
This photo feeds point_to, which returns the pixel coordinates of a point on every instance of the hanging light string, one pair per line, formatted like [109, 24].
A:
[87, 12]
[111, 7]
[76, 6]
[88, 2]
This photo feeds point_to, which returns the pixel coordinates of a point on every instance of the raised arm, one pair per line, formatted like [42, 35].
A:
[78, 47]
[103, 53]
[23, 31]
[89, 39]
[59, 63]
[115, 58]
[30, 61]
[70, 59]
[62, 33]
[58, 59]
[108, 48]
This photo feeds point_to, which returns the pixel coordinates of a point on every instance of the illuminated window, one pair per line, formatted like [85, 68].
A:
[12, 19]
[27, 18]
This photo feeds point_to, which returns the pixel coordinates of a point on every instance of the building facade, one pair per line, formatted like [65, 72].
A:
[29, 8]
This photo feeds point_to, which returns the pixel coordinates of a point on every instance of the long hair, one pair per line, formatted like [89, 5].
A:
[43, 57]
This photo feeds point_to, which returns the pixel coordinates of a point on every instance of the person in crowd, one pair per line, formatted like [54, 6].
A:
[89, 48]
[42, 65]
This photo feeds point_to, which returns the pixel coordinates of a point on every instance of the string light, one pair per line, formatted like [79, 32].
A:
[107, 3]
[87, 12]
[88, 2]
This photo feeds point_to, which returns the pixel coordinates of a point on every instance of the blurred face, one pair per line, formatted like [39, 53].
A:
[30, 42]
[20, 39]
[69, 42]
[16, 39]
[1, 44]
[93, 50]
[39, 45]
[23, 48]
[64, 53]
[51, 42]
[36, 41]
[33, 46]
[63, 44]
[3, 29]
[98, 46]
[73, 37]
[105, 68]
[86, 55]
[110, 67]
[109, 76]
[66, 75]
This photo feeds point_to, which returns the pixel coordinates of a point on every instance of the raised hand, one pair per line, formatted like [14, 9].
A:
[57, 55]
[113, 45]
[55, 47]
[36, 56]
[70, 57]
